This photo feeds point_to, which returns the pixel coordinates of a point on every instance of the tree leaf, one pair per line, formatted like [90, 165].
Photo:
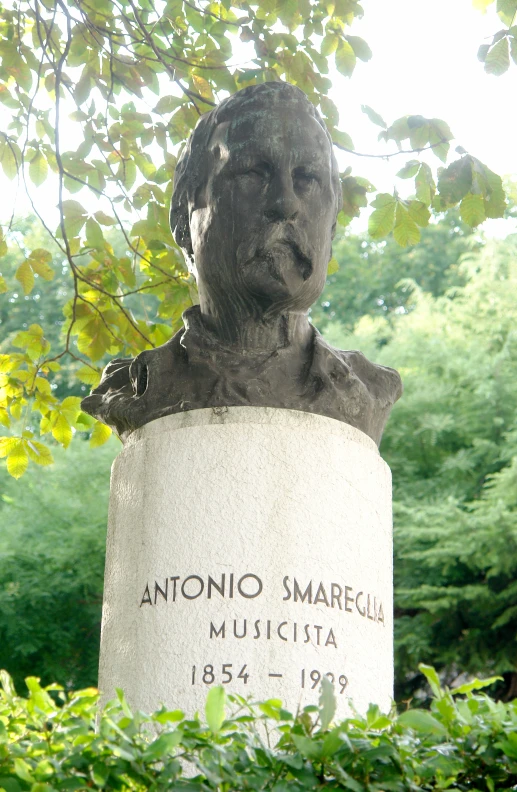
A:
[104, 219]
[10, 162]
[88, 375]
[360, 47]
[406, 231]
[38, 169]
[345, 58]
[94, 235]
[374, 117]
[39, 453]
[507, 9]
[61, 430]
[75, 217]
[497, 61]
[409, 170]
[382, 220]
[25, 276]
[39, 261]
[17, 459]
[333, 266]
[472, 210]
[100, 435]
[215, 707]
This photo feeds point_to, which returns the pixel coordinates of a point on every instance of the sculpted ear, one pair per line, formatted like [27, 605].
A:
[181, 229]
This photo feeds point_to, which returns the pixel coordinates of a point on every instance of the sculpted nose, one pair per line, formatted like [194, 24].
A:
[282, 203]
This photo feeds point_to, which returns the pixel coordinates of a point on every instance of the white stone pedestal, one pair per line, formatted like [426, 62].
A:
[249, 547]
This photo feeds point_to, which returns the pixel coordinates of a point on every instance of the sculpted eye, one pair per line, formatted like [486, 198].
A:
[305, 179]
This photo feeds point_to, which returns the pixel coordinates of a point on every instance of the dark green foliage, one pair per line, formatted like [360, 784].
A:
[466, 742]
[372, 276]
[51, 567]
[452, 447]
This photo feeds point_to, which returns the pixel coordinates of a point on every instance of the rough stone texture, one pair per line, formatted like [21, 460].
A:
[256, 196]
[278, 494]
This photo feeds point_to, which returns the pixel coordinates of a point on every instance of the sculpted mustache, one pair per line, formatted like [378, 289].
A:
[262, 245]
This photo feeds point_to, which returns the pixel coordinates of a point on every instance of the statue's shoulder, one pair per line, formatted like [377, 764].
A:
[117, 398]
[383, 383]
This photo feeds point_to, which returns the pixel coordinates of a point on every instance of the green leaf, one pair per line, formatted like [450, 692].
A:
[38, 169]
[476, 684]
[382, 220]
[421, 721]
[39, 261]
[345, 58]
[215, 708]
[432, 677]
[360, 47]
[75, 217]
[342, 139]
[329, 44]
[104, 219]
[61, 430]
[18, 459]
[25, 276]
[307, 747]
[100, 435]
[409, 170]
[472, 210]
[507, 9]
[327, 702]
[406, 231]
[497, 61]
[333, 266]
[88, 375]
[419, 212]
[94, 235]
[39, 453]
[163, 745]
[10, 162]
[168, 104]
[481, 5]
[374, 117]
[455, 181]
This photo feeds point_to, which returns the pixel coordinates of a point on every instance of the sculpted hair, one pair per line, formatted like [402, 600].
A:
[193, 166]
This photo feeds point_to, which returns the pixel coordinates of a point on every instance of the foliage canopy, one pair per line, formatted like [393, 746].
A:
[97, 98]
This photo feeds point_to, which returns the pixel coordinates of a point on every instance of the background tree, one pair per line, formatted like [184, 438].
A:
[97, 97]
[452, 447]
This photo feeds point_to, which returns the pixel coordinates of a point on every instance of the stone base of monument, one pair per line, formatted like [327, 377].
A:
[249, 547]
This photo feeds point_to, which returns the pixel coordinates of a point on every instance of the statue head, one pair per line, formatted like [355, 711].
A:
[256, 197]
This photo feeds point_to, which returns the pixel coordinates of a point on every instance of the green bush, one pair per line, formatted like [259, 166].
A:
[58, 741]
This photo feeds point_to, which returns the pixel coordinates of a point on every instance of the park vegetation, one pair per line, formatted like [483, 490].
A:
[53, 741]
[107, 280]
[97, 98]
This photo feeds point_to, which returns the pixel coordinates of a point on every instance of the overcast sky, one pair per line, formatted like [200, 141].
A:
[425, 62]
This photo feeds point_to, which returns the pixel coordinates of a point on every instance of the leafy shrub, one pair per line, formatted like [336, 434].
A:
[58, 741]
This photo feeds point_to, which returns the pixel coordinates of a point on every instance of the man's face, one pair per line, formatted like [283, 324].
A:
[261, 228]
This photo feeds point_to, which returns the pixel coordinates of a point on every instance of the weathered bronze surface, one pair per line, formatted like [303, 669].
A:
[256, 196]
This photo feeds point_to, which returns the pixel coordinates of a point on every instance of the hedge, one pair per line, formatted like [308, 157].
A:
[54, 740]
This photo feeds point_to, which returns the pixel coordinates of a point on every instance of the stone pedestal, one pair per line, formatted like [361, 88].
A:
[249, 547]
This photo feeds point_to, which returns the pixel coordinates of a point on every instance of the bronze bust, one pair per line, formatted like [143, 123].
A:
[256, 197]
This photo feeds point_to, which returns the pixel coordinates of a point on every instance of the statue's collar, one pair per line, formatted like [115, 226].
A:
[200, 342]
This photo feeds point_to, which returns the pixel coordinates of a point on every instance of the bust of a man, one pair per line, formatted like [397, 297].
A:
[256, 196]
